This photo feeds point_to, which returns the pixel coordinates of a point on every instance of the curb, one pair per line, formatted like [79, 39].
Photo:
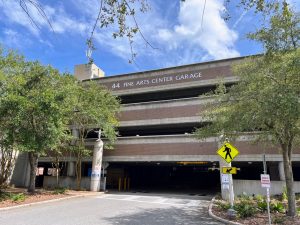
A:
[49, 201]
[219, 218]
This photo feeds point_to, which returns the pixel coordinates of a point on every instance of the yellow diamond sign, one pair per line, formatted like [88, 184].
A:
[228, 152]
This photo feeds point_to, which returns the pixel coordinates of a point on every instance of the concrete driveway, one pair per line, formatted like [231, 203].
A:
[124, 209]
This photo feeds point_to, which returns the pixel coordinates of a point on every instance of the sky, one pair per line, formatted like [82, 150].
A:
[173, 27]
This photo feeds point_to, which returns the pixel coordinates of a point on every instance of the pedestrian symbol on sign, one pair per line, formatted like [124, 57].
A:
[227, 151]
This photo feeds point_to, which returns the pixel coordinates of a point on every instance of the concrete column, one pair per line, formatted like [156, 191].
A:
[75, 134]
[71, 169]
[281, 171]
[96, 165]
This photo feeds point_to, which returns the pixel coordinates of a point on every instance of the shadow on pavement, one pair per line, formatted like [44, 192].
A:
[169, 216]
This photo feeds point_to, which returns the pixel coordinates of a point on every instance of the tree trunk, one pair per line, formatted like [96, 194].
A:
[33, 161]
[289, 180]
[78, 171]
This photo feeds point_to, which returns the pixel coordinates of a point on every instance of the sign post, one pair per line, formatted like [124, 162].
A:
[266, 183]
[228, 152]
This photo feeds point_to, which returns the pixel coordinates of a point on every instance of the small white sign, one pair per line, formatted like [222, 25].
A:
[225, 178]
[265, 180]
[225, 186]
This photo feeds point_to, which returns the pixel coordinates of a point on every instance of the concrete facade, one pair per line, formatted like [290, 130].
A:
[160, 110]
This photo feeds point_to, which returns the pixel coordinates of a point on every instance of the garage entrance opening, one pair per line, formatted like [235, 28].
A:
[164, 176]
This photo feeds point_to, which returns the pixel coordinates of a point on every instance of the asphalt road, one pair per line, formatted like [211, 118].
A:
[123, 209]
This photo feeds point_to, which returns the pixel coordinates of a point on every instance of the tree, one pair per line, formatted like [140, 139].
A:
[32, 104]
[266, 98]
[96, 108]
[9, 63]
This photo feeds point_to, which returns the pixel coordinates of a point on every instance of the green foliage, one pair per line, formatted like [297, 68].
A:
[223, 205]
[37, 106]
[246, 197]
[94, 107]
[59, 191]
[284, 196]
[4, 196]
[259, 197]
[262, 205]
[245, 208]
[18, 197]
[277, 206]
[298, 211]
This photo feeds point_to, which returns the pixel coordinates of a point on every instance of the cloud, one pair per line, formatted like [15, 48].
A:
[178, 33]
[214, 36]
[295, 4]
[61, 22]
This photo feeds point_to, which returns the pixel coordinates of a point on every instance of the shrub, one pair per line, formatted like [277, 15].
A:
[277, 206]
[4, 196]
[245, 208]
[298, 211]
[223, 205]
[262, 205]
[245, 196]
[59, 191]
[18, 197]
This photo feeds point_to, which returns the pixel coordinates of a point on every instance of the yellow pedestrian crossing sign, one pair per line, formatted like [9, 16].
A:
[228, 152]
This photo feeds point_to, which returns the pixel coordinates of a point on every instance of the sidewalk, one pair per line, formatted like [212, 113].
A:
[41, 196]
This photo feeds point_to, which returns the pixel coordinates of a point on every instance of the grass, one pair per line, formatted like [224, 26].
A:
[16, 197]
[59, 191]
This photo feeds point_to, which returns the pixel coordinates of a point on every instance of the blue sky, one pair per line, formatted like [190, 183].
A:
[172, 26]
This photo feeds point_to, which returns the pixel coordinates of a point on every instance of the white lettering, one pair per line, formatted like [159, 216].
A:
[188, 76]
[115, 85]
[128, 84]
[142, 82]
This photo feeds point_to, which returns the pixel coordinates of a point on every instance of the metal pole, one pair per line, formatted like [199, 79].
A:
[268, 191]
[231, 193]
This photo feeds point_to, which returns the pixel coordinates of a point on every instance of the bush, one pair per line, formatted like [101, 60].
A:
[59, 191]
[277, 206]
[4, 196]
[245, 197]
[262, 205]
[245, 208]
[18, 197]
[259, 198]
[223, 205]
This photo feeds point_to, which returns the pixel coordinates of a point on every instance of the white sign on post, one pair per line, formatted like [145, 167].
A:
[265, 180]
[225, 181]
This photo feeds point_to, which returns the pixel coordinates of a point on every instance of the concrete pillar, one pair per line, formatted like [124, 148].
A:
[96, 165]
[71, 169]
[281, 171]
[75, 134]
